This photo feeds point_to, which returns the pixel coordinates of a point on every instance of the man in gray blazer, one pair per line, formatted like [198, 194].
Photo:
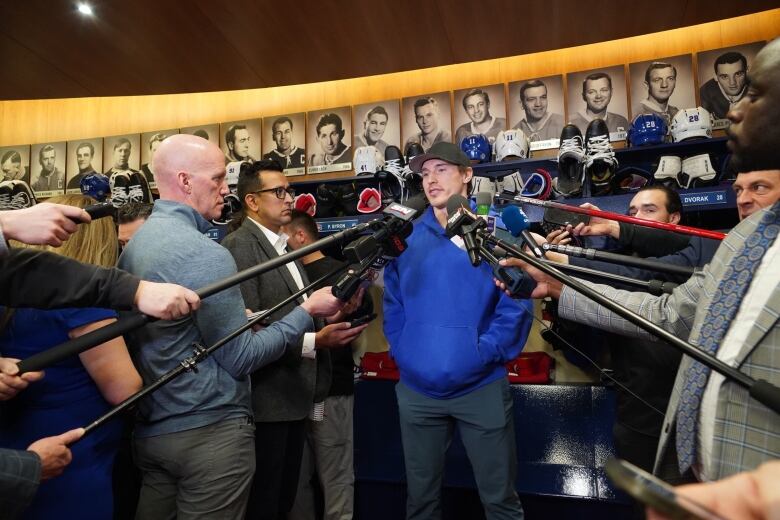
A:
[713, 428]
[285, 391]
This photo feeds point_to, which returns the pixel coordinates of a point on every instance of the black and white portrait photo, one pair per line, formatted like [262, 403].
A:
[599, 93]
[208, 132]
[427, 119]
[284, 138]
[150, 141]
[662, 86]
[85, 157]
[536, 107]
[329, 134]
[723, 78]
[378, 125]
[122, 154]
[240, 140]
[48, 169]
[15, 163]
[480, 110]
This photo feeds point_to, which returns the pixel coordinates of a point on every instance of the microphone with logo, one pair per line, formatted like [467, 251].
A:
[517, 224]
[369, 254]
[463, 222]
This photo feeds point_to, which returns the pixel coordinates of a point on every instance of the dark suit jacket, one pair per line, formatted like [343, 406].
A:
[20, 473]
[284, 390]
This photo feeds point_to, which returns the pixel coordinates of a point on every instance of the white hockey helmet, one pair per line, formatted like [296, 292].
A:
[366, 160]
[691, 123]
[511, 144]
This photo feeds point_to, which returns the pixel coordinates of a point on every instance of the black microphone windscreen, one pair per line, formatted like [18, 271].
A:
[456, 202]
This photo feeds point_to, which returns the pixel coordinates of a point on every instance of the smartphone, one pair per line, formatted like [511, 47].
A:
[361, 320]
[561, 218]
[655, 493]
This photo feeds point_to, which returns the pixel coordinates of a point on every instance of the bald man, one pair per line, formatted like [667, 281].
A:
[194, 439]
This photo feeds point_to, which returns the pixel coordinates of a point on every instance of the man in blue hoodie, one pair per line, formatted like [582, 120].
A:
[451, 332]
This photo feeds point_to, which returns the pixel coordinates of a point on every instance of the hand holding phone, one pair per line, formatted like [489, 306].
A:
[361, 320]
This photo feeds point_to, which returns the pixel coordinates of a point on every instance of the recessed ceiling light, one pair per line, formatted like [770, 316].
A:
[85, 9]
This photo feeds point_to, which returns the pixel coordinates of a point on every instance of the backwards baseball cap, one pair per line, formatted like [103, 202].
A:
[448, 152]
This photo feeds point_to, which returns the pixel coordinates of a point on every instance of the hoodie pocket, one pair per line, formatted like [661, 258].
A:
[438, 358]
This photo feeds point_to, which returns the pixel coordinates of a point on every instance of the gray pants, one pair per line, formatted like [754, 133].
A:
[484, 419]
[328, 452]
[197, 474]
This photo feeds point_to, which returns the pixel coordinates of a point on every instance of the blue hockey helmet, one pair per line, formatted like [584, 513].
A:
[476, 147]
[647, 129]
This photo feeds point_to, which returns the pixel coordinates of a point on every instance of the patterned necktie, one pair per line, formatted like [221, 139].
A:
[725, 302]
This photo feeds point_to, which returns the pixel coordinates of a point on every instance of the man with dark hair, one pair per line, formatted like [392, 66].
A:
[476, 103]
[237, 140]
[287, 390]
[286, 153]
[50, 178]
[126, 183]
[597, 94]
[331, 440]
[130, 218]
[11, 166]
[719, 94]
[426, 115]
[330, 133]
[374, 126]
[85, 152]
[452, 356]
[154, 143]
[538, 124]
[713, 428]
[660, 81]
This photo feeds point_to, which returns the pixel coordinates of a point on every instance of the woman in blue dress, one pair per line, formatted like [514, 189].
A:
[74, 392]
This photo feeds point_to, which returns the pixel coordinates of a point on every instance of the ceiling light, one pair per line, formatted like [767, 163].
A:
[85, 9]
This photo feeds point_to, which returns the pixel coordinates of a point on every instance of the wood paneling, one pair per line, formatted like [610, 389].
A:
[43, 120]
[137, 47]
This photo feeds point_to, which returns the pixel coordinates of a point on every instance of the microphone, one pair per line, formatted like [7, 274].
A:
[614, 258]
[103, 209]
[370, 254]
[484, 200]
[517, 223]
[461, 221]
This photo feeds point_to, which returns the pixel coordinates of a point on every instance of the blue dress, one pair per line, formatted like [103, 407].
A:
[64, 399]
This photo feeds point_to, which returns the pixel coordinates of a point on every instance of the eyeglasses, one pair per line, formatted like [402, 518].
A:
[279, 191]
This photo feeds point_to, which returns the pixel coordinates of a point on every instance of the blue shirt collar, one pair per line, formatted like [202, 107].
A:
[183, 213]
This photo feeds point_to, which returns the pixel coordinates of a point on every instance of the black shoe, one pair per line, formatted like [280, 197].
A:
[412, 150]
[570, 156]
[600, 162]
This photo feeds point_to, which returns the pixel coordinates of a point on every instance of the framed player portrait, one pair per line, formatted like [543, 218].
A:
[427, 119]
[723, 78]
[378, 124]
[208, 132]
[85, 157]
[662, 86]
[15, 163]
[536, 107]
[599, 93]
[150, 141]
[240, 140]
[284, 141]
[122, 153]
[329, 134]
[479, 110]
[47, 177]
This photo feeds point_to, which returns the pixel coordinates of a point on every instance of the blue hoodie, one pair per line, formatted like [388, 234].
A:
[449, 328]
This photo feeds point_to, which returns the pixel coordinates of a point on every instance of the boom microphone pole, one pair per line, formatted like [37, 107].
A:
[686, 230]
[199, 354]
[136, 320]
[761, 390]
[654, 287]
[614, 258]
